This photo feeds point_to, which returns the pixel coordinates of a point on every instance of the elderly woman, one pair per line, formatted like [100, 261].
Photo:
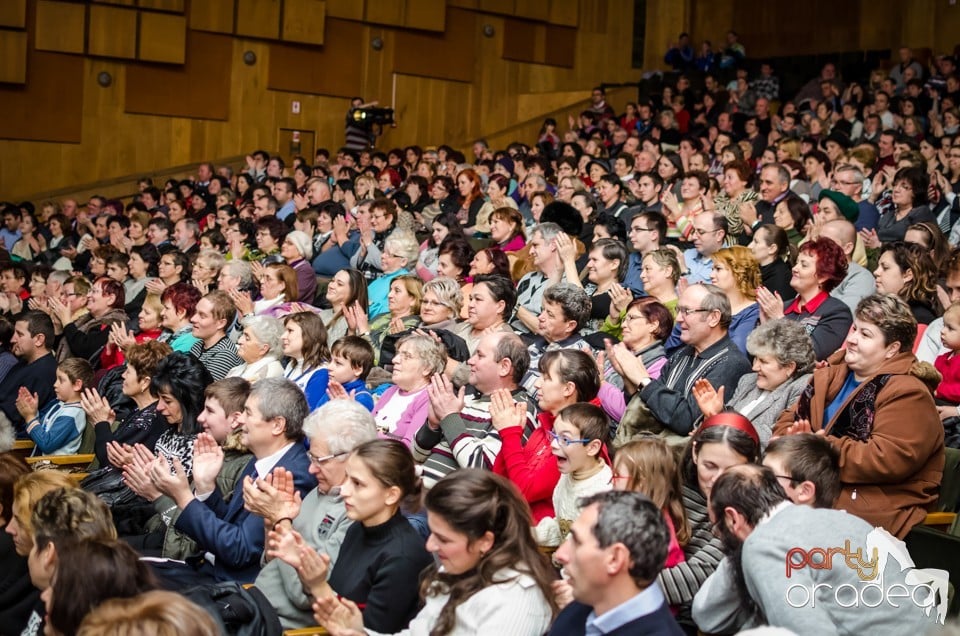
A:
[400, 251]
[441, 304]
[278, 293]
[260, 349]
[297, 251]
[86, 336]
[783, 360]
[334, 430]
[820, 267]
[206, 269]
[660, 275]
[874, 405]
[404, 407]
[910, 207]
[737, 273]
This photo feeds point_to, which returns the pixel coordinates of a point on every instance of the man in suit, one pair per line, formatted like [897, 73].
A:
[272, 429]
[615, 550]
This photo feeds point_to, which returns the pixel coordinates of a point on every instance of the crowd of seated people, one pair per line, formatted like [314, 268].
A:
[589, 384]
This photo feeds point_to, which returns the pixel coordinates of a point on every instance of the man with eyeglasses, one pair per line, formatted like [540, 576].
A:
[709, 235]
[334, 430]
[848, 180]
[704, 315]
[647, 231]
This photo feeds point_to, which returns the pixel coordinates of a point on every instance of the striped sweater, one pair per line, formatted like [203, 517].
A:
[465, 439]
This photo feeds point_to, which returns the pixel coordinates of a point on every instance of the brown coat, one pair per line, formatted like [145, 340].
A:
[892, 477]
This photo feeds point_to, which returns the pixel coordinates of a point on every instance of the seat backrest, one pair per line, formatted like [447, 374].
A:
[950, 484]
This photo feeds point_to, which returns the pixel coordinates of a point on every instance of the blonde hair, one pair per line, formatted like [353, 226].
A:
[744, 267]
[652, 470]
[154, 304]
[28, 490]
[791, 147]
[156, 613]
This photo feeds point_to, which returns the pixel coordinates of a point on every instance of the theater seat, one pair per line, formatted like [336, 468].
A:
[62, 460]
[306, 631]
[916, 343]
[945, 517]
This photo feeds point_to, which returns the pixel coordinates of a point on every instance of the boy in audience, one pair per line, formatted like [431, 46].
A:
[57, 428]
[807, 467]
[350, 361]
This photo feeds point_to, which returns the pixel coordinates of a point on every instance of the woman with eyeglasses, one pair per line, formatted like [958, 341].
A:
[909, 196]
[86, 336]
[567, 376]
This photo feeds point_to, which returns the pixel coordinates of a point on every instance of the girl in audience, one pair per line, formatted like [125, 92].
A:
[31, 243]
[260, 349]
[454, 257]
[579, 442]
[489, 261]
[114, 441]
[403, 408]
[471, 199]
[381, 557]
[506, 229]
[347, 289]
[443, 225]
[89, 573]
[793, 216]
[774, 253]
[907, 270]
[567, 376]
[304, 342]
[724, 440]
[490, 577]
[648, 465]
[820, 267]
[660, 275]
[736, 272]
[179, 304]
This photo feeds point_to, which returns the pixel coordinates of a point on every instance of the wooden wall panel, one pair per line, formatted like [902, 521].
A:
[60, 26]
[561, 46]
[258, 18]
[48, 106]
[13, 13]
[346, 9]
[163, 38]
[519, 40]
[564, 12]
[124, 3]
[212, 15]
[13, 57]
[450, 55]
[429, 15]
[112, 32]
[502, 7]
[174, 6]
[199, 89]
[389, 12]
[334, 69]
[303, 21]
[532, 9]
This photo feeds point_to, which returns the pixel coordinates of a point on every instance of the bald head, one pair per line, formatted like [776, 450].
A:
[843, 233]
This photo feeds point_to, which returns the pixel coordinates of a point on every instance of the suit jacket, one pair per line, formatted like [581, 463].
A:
[572, 621]
[231, 533]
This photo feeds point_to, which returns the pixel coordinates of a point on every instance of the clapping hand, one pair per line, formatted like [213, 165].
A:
[96, 406]
[242, 300]
[27, 404]
[272, 498]
[870, 238]
[566, 248]
[629, 366]
[335, 391]
[119, 455]
[709, 400]
[121, 336]
[207, 462]
[136, 474]
[771, 305]
[505, 412]
[340, 617]
[173, 483]
[444, 400]
[620, 298]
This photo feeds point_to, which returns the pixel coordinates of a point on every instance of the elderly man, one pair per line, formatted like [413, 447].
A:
[704, 315]
[774, 188]
[763, 531]
[612, 556]
[335, 429]
[458, 433]
[848, 180]
[271, 428]
[530, 289]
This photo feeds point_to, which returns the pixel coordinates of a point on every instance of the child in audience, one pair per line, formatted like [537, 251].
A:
[350, 361]
[808, 468]
[649, 466]
[304, 342]
[57, 428]
[948, 364]
[579, 442]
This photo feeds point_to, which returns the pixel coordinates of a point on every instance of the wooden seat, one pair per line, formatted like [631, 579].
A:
[63, 460]
[305, 631]
[23, 447]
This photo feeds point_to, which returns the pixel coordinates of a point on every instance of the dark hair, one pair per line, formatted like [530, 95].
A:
[90, 572]
[590, 420]
[474, 502]
[799, 211]
[922, 288]
[654, 311]
[753, 491]
[460, 252]
[778, 236]
[918, 180]
[390, 462]
[498, 259]
[145, 356]
[12, 467]
[39, 323]
[185, 378]
[576, 366]
[676, 161]
[500, 288]
[180, 260]
[6, 333]
[614, 226]
[110, 287]
[313, 335]
[831, 261]
[357, 351]
[657, 219]
[737, 440]
[149, 254]
[614, 250]
[809, 457]
[450, 221]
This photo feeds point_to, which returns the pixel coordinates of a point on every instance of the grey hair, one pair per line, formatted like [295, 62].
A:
[427, 350]
[631, 519]
[212, 258]
[548, 231]
[541, 182]
[573, 301]
[783, 175]
[448, 293]
[342, 424]
[849, 167]
[404, 244]
[240, 269]
[279, 397]
[268, 331]
[716, 300]
[59, 276]
[785, 341]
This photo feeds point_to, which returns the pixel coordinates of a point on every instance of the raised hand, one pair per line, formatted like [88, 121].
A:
[27, 404]
[708, 399]
[313, 569]
[562, 593]
[273, 498]
[156, 286]
[396, 325]
[136, 474]
[335, 391]
[96, 406]
[870, 238]
[242, 300]
[748, 213]
[207, 462]
[771, 305]
[629, 366]
[620, 298]
[340, 617]
[60, 311]
[121, 336]
[566, 248]
[505, 412]
[285, 545]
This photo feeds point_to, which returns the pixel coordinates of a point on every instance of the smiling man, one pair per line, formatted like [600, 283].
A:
[210, 321]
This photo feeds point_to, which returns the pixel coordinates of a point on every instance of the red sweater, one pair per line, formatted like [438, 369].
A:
[531, 467]
[948, 365]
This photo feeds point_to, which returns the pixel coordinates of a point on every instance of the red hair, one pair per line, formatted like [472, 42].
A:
[831, 261]
[474, 178]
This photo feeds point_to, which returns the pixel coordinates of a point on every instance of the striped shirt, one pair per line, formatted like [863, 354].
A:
[466, 439]
[219, 358]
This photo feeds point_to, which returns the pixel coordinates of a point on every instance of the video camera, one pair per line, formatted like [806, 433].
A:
[370, 116]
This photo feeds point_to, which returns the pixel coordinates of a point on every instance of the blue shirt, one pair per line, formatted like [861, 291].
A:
[631, 280]
[377, 293]
[646, 602]
[288, 208]
[849, 386]
[9, 238]
[700, 266]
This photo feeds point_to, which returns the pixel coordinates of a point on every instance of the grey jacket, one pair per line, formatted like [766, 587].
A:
[764, 415]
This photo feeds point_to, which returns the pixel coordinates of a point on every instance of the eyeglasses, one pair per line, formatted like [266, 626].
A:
[632, 317]
[789, 478]
[700, 232]
[431, 303]
[686, 311]
[320, 461]
[563, 440]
